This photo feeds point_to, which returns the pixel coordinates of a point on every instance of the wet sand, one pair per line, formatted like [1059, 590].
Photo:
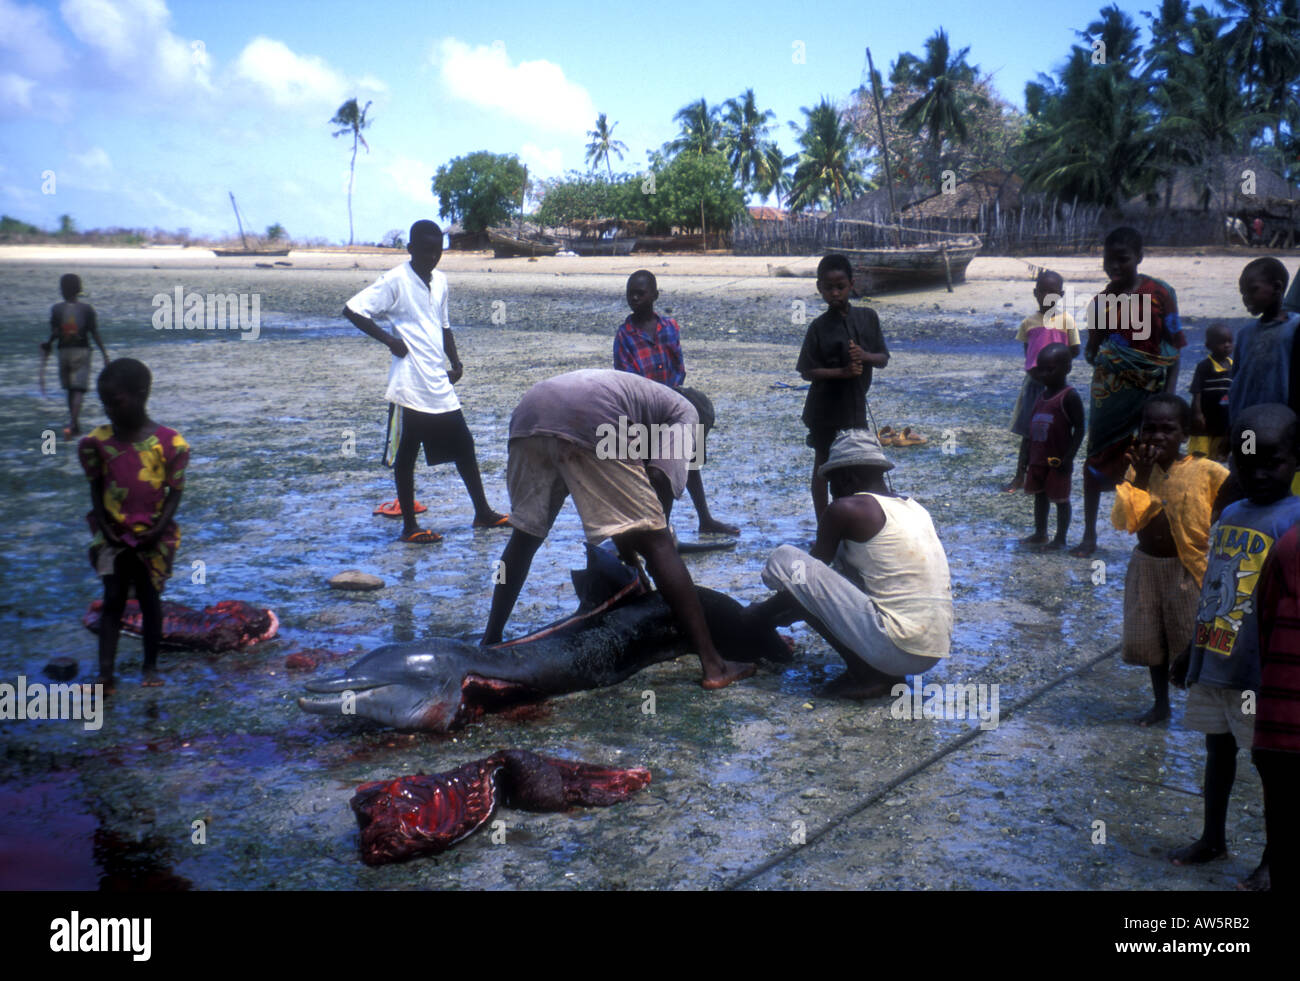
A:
[741, 777]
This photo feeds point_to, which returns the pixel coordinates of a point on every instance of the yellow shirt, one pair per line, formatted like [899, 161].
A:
[1186, 494]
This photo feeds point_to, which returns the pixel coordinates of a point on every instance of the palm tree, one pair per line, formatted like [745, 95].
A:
[941, 107]
[827, 171]
[603, 144]
[772, 175]
[352, 119]
[700, 130]
[744, 129]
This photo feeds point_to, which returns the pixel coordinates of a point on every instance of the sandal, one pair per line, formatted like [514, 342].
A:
[392, 509]
[887, 436]
[500, 521]
[909, 437]
[422, 537]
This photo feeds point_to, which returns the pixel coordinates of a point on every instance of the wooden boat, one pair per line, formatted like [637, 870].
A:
[931, 264]
[508, 244]
[246, 252]
[601, 246]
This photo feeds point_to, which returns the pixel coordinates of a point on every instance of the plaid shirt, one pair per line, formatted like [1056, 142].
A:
[658, 358]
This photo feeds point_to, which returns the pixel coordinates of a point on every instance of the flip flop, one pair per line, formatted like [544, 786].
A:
[498, 523]
[886, 436]
[392, 509]
[422, 537]
[909, 437]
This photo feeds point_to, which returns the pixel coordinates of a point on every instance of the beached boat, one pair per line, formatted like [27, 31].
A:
[931, 264]
[601, 246]
[246, 252]
[507, 244]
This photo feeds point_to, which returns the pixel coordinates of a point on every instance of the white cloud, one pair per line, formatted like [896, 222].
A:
[96, 158]
[28, 41]
[15, 93]
[412, 178]
[533, 92]
[542, 163]
[289, 79]
[135, 41]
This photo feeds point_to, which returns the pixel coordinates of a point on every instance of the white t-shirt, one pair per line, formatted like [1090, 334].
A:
[400, 302]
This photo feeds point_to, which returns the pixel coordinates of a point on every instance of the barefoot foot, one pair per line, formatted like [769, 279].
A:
[1155, 715]
[152, 679]
[1034, 540]
[731, 671]
[1257, 881]
[715, 527]
[847, 686]
[1197, 853]
[1084, 548]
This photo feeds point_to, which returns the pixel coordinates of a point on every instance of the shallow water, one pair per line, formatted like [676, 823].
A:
[274, 507]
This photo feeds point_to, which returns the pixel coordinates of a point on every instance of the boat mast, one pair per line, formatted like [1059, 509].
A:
[242, 238]
[884, 147]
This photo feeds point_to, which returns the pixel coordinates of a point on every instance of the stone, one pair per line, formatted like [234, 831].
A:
[61, 668]
[356, 579]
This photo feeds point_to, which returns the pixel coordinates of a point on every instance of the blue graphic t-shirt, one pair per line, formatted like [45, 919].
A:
[1225, 652]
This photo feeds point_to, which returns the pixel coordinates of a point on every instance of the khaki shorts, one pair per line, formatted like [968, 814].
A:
[611, 496]
[74, 368]
[1160, 599]
[1214, 711]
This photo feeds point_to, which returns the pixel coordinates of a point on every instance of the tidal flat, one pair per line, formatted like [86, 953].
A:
[762, 785]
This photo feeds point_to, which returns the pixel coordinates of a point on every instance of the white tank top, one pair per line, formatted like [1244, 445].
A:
[904, 570]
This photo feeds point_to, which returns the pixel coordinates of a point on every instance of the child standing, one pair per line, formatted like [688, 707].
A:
[73, 325]
[1224, 669]
[1055, 432]
[1277, 722]
[1050, 325]
[1167, 499]
[649, 345]
[1210, 387]
[136, 470]
[1134, 339]
[839, 351]
[1267, 367]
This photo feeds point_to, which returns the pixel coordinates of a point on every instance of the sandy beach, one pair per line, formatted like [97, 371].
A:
[760, 786]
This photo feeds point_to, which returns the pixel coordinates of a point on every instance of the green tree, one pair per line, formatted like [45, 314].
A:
[67, 227]
[744, 141]
[275, 232]
[1091, 131]
[590, 196]
[352, 119]
[701, 130]
[603, 144]
[945, 81]
[692, 190]
[480, 189]
[827, 170]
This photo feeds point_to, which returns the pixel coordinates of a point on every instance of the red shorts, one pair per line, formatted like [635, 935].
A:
[1053, 481]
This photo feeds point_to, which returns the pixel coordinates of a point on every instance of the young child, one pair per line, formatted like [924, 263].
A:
[649, 344]
[1167, 500]
[1277, 721]
[1050, 325]
[136, 470]
[423, 408]
[1225, 660]
[1267, 366]
[839, 351]
[1134, 339]
[1055, 432]
[1210, 386]
[73, 325]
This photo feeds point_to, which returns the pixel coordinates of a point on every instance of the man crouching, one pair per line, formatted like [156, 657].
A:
[876, 583]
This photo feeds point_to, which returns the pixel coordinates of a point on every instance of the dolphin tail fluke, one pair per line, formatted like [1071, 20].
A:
[605, 576]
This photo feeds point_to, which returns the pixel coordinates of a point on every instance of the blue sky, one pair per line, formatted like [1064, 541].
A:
[147, 112]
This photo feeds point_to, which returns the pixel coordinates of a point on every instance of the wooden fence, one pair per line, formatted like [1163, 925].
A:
[1036, 227]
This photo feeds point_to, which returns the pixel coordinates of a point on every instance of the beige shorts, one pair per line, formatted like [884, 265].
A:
[611, 496]
[1160, 598]
[1215, 710]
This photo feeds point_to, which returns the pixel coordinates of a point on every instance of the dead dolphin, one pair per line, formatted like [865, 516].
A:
[225, 626]
[620, 627]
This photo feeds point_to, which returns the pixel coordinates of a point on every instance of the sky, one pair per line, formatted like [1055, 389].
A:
[146, 113]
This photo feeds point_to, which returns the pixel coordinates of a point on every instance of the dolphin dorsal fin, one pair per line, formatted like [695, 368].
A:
[605, 576]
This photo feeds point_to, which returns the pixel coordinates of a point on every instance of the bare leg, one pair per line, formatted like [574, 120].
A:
[516, 560]
[467, 467]
[1160, 685]
[1022, 463]
[110, 623]
[708, 524]
[151, 614]
[818, 485]
[1063, 512]
[1091, 504]
[408, 452]
[1039, 537]
[1220, 772]
[674, 582]
[74, 410]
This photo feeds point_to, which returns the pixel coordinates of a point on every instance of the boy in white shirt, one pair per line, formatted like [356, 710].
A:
[412, 300]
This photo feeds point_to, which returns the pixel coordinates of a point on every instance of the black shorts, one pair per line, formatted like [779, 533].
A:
[820, 439]
[445, 436]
